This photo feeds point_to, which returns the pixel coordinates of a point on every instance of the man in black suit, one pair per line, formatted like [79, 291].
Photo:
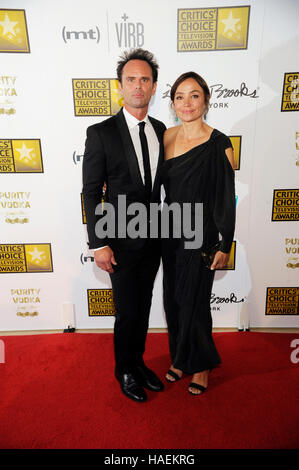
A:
[127, 156]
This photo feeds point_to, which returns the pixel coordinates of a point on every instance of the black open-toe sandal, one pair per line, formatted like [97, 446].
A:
[174, 375]
[198, 387]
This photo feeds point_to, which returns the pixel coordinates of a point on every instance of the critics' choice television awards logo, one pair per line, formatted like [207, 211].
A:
[20, 156]
[290, 92]
[96, 96]
[26, 258]
[236, 143]
[13, 31]
[100, 302]
[231, 265]
[285, 205]
[212, 29]
[282, 301]
[83, 210]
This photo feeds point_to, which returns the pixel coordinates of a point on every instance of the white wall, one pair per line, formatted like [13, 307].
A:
[39, 87]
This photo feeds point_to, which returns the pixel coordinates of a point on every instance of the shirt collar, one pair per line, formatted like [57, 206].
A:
[131, 120]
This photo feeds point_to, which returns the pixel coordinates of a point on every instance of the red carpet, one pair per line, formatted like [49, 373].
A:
[58, 392]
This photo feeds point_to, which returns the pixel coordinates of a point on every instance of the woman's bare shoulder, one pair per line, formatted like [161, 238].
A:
[170, 133]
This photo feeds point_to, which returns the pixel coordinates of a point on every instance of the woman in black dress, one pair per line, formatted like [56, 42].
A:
[198, 169]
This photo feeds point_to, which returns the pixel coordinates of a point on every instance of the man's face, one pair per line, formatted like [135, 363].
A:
[137, 85]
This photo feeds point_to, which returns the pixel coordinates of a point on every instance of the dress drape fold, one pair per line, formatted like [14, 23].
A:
[201, 175]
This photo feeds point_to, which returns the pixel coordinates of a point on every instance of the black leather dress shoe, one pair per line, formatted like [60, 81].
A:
[130, 387]
[148, 379]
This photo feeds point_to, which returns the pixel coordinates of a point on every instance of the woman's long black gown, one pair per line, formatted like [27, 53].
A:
[203, 174]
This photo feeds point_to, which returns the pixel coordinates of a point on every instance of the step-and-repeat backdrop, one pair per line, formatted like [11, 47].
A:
[58, 76]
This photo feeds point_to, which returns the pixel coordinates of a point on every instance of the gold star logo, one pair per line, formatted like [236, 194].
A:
[25, 153]
[36, 255]
[230, 24]
[8, 27]
[13, 31]
[232, 29]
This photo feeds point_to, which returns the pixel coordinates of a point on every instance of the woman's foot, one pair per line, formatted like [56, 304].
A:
[199, 383]
[173, 374]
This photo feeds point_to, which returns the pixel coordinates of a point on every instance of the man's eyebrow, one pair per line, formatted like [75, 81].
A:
[134, 76]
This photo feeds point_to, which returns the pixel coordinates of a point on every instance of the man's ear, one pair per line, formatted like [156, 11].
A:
[154, 88]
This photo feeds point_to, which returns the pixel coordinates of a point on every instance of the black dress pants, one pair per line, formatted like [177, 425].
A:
[132, 283]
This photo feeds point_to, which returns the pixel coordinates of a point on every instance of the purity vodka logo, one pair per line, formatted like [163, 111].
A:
[129, 34]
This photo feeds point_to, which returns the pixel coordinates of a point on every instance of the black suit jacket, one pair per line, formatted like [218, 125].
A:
[110, 157]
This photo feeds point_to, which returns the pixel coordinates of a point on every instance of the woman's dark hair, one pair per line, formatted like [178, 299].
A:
[137, 54]
[201, 82]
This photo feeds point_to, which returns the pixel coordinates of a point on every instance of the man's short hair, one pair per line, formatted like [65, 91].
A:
[137, 54]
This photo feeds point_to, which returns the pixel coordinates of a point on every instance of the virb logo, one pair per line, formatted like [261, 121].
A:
[129, 34]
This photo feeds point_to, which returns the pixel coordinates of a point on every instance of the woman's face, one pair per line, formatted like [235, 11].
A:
[189, 101]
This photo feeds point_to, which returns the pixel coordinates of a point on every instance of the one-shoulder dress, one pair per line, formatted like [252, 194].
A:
[201, 175]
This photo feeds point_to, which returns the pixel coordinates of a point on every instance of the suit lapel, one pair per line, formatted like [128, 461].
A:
[156, 185]
[132, 157]
[130, 152]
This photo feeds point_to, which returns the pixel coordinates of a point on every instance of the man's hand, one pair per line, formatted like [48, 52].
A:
[220, 260]
[104, 259]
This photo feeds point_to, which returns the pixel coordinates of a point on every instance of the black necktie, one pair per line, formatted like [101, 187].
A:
[146, 161]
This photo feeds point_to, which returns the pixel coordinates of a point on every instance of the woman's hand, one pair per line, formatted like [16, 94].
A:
[220, 260]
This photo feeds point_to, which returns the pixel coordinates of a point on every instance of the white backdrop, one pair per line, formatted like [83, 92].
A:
[42, 233]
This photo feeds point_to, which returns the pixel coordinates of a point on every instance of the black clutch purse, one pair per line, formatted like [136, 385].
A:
[209, 254]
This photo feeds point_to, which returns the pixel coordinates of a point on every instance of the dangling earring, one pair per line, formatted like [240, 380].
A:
[173, 113]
